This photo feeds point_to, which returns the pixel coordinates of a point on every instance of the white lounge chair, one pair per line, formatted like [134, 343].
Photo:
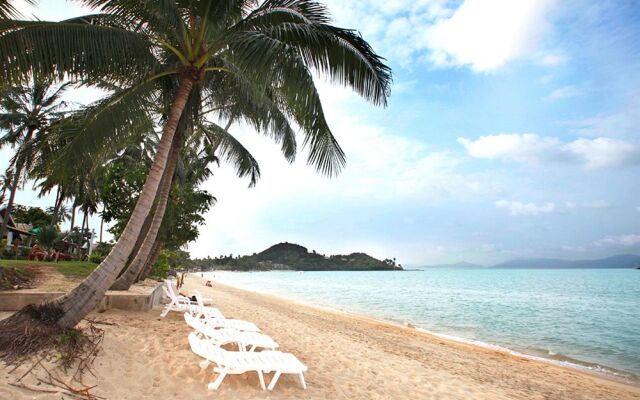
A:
[219, 321]
[236, 362]
[220, 337]
[183, 304]
[171, 285]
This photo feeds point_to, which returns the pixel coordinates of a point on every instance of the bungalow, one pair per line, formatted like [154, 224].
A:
[15, 230]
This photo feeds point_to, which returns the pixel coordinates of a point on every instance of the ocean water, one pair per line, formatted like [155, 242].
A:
[585, 318]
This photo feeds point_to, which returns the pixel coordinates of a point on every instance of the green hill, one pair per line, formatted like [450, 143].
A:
[289, 256]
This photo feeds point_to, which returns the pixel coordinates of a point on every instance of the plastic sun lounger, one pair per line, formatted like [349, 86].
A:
[182, 304]
[237, 362]
[171, 285]
[219, 337]
[219, 321]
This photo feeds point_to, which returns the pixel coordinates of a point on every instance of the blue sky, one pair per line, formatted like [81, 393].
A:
[512, 131]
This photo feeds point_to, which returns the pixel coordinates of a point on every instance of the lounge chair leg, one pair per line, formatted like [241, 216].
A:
[216, 384]
[252, 348]
[261, 377]
[274, 380]
[302, 382]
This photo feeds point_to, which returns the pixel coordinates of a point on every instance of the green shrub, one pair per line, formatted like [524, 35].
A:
[47, 236]
[96, 257]
[103, 247]
[8, 253]
[160, 269]
[24, 252]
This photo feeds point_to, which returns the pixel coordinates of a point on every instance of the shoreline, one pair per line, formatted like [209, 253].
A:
[349, 356]
[590, 369]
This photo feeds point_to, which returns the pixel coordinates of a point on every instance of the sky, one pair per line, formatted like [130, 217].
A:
[511, 131]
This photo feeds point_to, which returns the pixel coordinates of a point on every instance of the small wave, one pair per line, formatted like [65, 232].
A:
[554, 359]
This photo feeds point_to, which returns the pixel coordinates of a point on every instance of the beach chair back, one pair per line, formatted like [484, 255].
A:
[200, 302]
[169, 285]
[206, 349]
[167, 292]
[195, 323]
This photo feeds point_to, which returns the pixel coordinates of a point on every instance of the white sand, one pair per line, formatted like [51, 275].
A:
[349, 357]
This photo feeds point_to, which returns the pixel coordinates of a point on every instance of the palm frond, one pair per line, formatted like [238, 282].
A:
[341, 54]
[147, 16]
[59, 50]
[8, 10]
[261, 58]
[239, 99]
[232, 151]
[102, 127]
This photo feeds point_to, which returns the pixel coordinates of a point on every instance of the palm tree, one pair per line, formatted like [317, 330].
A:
[47, 236]
[268, 49]
[27, 112]
[196, 166]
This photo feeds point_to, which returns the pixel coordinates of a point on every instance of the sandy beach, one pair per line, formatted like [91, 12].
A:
[348, 356]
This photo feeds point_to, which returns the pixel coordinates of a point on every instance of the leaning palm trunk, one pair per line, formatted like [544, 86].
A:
[148, 266]
[127, 278]
[140, 240]
[14, 189]
[81, 300]
[66, 311]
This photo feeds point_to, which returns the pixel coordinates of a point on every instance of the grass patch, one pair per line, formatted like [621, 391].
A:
[70, 269]
[75, 269]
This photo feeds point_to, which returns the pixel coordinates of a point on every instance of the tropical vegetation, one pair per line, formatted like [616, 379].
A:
[177, 76]
[290, 256]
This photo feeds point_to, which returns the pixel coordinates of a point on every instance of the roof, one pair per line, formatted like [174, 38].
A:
[24, 227]
[3, 212]
[12, 226]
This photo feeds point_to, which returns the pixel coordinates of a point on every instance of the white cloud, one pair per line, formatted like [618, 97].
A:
[486, 34]
[517, 208]
[596, 204]
[622, 123]
[532, 149]
[564, 92]
[481, 34]
[619, 241]
[524, 148]
[611, 242]
[604, 152]
[553, 60]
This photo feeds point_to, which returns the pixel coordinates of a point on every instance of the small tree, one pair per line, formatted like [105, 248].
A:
[47, 236]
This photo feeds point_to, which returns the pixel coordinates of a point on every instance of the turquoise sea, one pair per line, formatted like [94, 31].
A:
[585, 318]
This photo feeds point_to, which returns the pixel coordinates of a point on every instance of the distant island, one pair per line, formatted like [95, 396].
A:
[622, 261]
[290, 256]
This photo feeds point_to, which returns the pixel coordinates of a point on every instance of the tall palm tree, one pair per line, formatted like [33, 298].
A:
[194, 165]
[26, 111]
[269, 48]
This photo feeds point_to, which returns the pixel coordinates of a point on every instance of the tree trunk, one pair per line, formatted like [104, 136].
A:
[148, 266]
[101, 226]
[56, 206]
[73, 216]
[81, 300]
[14, 189]
[82, 228]
[127, 278]
[139, 240]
